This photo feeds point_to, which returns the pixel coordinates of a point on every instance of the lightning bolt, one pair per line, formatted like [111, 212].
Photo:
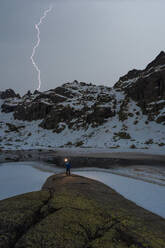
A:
[37, 45]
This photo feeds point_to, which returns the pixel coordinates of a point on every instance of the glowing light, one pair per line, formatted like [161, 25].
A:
[37, 45]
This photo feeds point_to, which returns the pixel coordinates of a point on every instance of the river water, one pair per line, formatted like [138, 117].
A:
[21, 177]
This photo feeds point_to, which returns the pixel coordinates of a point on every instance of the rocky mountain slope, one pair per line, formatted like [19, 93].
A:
[129, 115]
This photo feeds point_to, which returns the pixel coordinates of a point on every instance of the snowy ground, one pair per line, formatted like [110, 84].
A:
[153, 174]
[150, 174]
[17, 178]
[147, 137]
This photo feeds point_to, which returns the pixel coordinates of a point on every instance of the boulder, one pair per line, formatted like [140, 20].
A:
[77, 212]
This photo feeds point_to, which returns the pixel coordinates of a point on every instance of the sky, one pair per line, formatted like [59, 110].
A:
[94, 41]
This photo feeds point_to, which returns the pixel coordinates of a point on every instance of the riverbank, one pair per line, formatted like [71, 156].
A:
[84, 157]
[77, 212]
[135, 183]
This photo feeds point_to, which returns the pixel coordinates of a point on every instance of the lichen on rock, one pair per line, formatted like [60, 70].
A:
[76, 212]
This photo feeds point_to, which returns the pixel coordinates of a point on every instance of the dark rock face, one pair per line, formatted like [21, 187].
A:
[11, 100]
[99, 116]
[7, 107]
[147, 87]
[159, 60]
[64, 92]
[40, 105]
[158, 64]
[76, 212]
[58, 115]
[80, 105]
[68, 115]
[130, 75]
[35, 111]
[9, 93]
[37, 106]
[67, 104]
[52, 97]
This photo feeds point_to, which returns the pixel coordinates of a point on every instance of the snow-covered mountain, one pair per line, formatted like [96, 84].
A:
[128, 116]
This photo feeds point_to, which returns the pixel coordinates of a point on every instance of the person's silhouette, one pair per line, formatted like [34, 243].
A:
[68, 166]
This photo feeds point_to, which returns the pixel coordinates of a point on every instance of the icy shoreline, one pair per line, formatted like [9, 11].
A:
[102, 158]
[144, 194]
[144, 185]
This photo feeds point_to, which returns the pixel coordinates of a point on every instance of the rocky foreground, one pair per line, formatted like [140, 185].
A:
[77, 212]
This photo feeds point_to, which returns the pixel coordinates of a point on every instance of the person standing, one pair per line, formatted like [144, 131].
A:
[67, 166]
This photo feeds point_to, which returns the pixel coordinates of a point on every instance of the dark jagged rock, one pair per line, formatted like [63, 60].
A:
[36, 92]
[11, 100]
[9, 93]
[135, 74]
[33, 111]
[80, 105]
[77, 212]
[52, 97]
[8, 107]
[99, 115]
[159, 60]
[61, 114]
[28, 93]
[64, 92]
[130, 75]
[147, 87]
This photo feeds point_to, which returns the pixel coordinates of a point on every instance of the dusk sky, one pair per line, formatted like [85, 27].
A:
[89, 40]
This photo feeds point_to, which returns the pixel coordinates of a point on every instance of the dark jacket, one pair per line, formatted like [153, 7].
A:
[68, 165]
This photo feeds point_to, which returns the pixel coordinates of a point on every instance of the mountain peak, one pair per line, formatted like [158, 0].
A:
[159, 60]
[79, 114]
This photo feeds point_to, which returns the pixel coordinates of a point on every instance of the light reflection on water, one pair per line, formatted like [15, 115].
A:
[21, 177]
